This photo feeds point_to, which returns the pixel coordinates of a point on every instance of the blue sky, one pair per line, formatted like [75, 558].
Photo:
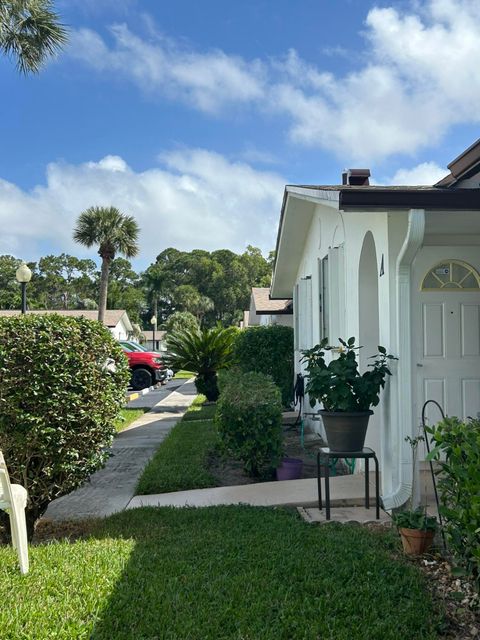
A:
[192, 116]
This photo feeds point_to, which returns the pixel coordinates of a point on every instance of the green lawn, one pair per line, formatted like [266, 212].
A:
[218, 573]
[180, 462]
[127, 416]
[183, 374]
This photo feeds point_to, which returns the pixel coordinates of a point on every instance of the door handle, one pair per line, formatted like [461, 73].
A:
[419, 364]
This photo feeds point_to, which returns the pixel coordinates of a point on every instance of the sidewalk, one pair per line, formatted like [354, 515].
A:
[345, 491]
[111, 489]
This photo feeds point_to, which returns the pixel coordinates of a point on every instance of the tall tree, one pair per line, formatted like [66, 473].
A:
[124, 290]
[30, 32]
[114, 233]
[9, 287]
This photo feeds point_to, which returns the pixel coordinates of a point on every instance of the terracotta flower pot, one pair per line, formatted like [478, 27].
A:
[416, 541]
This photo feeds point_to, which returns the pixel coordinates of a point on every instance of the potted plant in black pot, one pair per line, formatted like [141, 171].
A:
[346, 395]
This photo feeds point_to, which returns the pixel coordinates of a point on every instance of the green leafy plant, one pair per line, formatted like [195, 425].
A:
[415, 519]
[268, 350]
[338, 384]
[204, 352]
[248, 417]
[457, 452]
[62, 384]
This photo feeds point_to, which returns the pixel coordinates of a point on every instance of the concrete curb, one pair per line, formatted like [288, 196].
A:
[137, 394]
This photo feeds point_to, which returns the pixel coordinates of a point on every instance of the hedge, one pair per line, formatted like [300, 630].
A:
[62, 385]
[268, 350]
[457, 450]
[248, 418]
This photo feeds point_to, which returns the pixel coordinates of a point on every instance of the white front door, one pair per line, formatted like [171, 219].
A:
[446, 330]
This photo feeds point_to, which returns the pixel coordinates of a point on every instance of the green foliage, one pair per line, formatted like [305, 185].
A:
[30, 33]
[213, 286]
[181, 321]
[113, 232]
[62, 282]
[459, 487]
[10, 296]
[249, 419]
[229, 573]
[204, 352]
[338, 385]
[415, 519]
[268, 350]
[58, 402]
[181, 461]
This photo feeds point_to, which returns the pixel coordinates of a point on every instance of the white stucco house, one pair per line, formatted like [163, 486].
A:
[265, 311]
[116, 320]
[396, 266]
[160, 342]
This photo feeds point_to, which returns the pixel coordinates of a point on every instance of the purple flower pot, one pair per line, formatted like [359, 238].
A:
[290, 469]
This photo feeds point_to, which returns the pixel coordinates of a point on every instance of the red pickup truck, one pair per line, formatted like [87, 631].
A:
[147, 368]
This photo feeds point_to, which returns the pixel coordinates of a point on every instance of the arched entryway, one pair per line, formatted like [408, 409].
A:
[369, 322]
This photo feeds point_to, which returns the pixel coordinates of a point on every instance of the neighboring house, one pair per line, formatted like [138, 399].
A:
[160, 343]
[399, 267]
[264, 310]
[116, 320]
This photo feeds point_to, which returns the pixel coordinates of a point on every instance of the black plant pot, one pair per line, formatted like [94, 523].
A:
[345, 431]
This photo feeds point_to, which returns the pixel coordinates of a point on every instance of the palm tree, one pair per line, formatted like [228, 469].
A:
[114, 233]
[30, 32]
[204, 352]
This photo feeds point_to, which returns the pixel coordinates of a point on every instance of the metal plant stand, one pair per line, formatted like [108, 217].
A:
[324, 456]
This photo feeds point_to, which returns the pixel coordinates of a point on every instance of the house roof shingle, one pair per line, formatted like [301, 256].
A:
[264, 305]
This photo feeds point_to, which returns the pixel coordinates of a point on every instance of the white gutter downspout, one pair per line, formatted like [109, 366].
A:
[401, 453]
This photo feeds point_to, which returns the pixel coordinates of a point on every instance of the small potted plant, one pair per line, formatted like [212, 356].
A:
[346, 396]
[417, 529]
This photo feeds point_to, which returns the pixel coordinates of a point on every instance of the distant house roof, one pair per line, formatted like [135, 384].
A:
[264, 305]
[112, 316]
[463, 166]
[159, 335]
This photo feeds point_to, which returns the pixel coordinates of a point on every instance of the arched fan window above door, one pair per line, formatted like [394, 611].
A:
[452, 275]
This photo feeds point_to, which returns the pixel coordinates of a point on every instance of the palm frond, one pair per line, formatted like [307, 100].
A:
[30, 32]
[202, 351]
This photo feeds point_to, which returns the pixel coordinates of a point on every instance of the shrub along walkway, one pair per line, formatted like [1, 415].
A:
[110, 489]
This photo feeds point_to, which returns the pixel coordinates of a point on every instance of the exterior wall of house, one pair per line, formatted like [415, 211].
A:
[363, 251]
[354, 299]
[120, 331]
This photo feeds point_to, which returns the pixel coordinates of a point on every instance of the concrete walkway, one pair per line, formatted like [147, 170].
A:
[344, 491]
[111, 489]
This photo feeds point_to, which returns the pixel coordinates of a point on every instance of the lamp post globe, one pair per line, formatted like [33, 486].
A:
[23, 275]
[153, 322]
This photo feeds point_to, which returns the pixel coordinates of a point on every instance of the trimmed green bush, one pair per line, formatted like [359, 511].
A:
[268, 350]
[249, 420]
[59, 399]
[459, 487]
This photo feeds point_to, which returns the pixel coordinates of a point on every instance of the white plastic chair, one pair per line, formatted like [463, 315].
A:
[13, 500]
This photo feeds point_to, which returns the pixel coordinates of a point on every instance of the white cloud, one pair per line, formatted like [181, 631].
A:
[426, 173]
[195, 199]
[417, 76]
[206, 81]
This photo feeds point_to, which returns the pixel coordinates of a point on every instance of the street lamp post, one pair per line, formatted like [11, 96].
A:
[153, 322]
[23, 275]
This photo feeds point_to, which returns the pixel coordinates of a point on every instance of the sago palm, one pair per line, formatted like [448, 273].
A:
[113, 232]
[30, 32]
[204, 352]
